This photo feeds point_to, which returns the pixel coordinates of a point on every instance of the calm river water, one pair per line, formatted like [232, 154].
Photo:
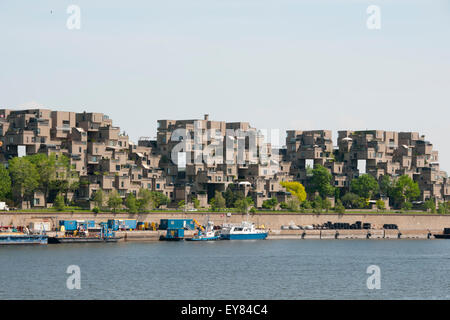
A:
[271, 269]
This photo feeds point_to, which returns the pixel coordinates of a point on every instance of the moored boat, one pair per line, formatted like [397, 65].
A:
[243, 231]
[13, 236]
[205, 234]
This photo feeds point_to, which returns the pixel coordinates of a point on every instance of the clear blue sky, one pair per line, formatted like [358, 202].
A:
[278, 64]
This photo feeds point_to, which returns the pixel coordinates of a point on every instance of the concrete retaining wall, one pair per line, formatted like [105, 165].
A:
[272, 221]
[350, 234]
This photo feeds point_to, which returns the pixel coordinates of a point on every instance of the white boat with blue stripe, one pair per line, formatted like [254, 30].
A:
[243, 231]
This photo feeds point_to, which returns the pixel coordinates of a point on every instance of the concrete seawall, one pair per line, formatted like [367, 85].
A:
[273, 221]
[351, 234]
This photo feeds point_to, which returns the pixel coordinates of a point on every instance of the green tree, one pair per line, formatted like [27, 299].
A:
[114, 201]
[130, 203]
[74, 186]
[98, 198]
[218, 202]
[293, 204]
[306, 205]
[231, 196]
[270, 203]
[46, 169]
[24, 178]
[350, 200]
[430, 206]
[159, 199]
[407, 205]
[386, 185]
[181, 204]
[144, 201]
[405, 190]
[295, 188]
[443, 208]
[380, 205]
[362, 203]
[326, 204]
[5, 183]
[365, 186]
[317, 204]
[196, 202]
[66, 177]
[309, 170]
[244, 204]
[339, 207]
[59, 203]
[321, 181]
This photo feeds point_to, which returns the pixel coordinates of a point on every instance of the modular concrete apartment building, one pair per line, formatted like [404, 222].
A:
[195, 158]
[375, 152]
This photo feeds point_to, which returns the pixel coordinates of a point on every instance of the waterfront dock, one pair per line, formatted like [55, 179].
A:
[351, 234]
[373, 234]
[410, 226]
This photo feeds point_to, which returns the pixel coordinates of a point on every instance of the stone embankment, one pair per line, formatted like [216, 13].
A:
[410, 225]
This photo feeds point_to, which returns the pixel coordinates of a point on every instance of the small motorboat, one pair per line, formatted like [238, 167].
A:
[205, 234]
